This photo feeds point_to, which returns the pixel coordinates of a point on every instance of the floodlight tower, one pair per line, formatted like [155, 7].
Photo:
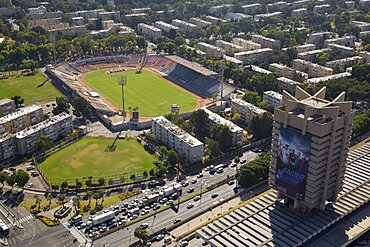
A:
[222, 76]
[122, 80]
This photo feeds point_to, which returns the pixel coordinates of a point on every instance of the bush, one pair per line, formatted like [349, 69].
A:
[47, 221]
[128, 195]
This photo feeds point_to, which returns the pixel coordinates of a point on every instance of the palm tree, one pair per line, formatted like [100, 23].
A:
[76, 202]
[89, 194]
[96, 196]
[49, 197]
[38, 200]
[61, 198]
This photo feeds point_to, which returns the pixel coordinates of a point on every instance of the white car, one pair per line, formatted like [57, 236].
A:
[30, 185]
[144, 225]
[190, 205]
[200, 175]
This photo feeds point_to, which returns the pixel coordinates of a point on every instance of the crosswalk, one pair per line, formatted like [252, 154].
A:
[26, 218]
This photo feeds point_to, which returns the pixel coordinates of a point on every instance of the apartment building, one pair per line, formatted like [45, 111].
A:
[252, 9]
[322, 9]
[218, 10]
[21, 119]
[87, 14]
[48, 23]
[236, 62]
[246, 44]
[71, 31]
[140, 10]
[300, 4]
[199, 22]
[341, 50]
[232, 16]
[328, 78]
[363, 26]
[254, 56]
[299, 13]
[215, 20]
[309, 149]
[177, 139]
[6, 107]
[318, 38]
[311, 55]
[350, 4]
[229, 47]
[312, 69]
[305, 47]
[214, 119]
[211, 50]
[149, 32]
[277, 6]
[264, 17]
[41, 10]
[7, 147]
[273, 98]
[185, 26]
[246, 110]
[54, 127]
[284, 71]
[109, 15]
[266, 42]
[165, 27]
[287, 84]
[345, 41]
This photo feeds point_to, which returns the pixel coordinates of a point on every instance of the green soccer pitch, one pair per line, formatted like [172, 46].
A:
[153, 95]
[32, 88]
[89, 157]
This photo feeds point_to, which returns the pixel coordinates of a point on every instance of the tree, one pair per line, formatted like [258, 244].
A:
[1, 166]
[78, 184]
[255, 171]
[3, 178]
[49, 197]
[261, 126]
[43, 143]
[141, 234]
[62, 106]
[222, 134]
[236, 117]
[64, 185]
[362, 122]
[322, 57]
[172, 158]
[76, 202]
[236, 159]
[145, 174]
[18, 101]
[37, 200]
[81, 107]
[199, 120]
[18, 177]
[101, 181]
[213, 147]
[89, 194]
[110, 182]
[61, 198]
[252, 97]
[141, 42]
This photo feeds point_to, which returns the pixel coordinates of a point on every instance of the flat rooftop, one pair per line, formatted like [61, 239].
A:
[192, 65]
[267, 222]
[21, 112]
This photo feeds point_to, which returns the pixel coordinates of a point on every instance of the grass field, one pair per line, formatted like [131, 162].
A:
[87, 157]
[150, 93]
[33, 88]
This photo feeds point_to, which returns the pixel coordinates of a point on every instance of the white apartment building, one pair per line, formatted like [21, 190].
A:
[322, 9]
[284, 71]
[109, 15]
[140, 10]
[246, 44]
[299, 13]
[305, 47]
[149, 32]
[318, 38]
[7, 147]
[263, 17]
[165, 27]
[215, 20]
[300, 3]
[236, 62]
[345, 41]
[344, 63]
[236, 132]
[21, 119]
[311, 55]
[252, 9]
[273, 98]
[71, 31]
[186, 26]
[6, 106]
[287, 84]
[211, 50]
[177, 139]
[341, 50]
[199, 22]
[254, 56]
[41, 10]
[328, 78]
[312, 69]
[228, 47]
[54, 127]
[218, 10]
[266, 42]
[246, 110]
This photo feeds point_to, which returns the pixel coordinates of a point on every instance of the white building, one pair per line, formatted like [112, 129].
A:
[54, 127]
[211, 50]
[7, 147]
[236, 132]
[312, 69]
[266, 42]
[246, 110]
[254, 56]
[246, 44]
[186, 26]
[149, 32]
[273, 98]
[41, 10]
[228, 47]
[199, 22]
[6, 106]
[263, 17]
[177, 139]
[165, 27]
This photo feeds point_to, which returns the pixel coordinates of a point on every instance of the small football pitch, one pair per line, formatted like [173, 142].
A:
[150, 93]
[91, 157]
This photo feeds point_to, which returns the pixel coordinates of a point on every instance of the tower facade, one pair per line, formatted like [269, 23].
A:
[310, 142]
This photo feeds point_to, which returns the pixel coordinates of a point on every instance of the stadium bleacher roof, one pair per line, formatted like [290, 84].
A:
[265, 222]
[192, 65]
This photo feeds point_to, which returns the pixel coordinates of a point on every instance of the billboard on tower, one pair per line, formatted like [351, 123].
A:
[292, 162]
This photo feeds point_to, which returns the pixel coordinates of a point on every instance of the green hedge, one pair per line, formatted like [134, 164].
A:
[47, 221]
[128, 195]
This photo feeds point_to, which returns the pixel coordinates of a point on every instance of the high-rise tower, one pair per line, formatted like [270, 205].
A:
[309, 148]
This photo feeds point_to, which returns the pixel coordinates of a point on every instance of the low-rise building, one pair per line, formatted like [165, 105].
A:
[21, 119]
[54, 127]
[311, 55]
[149, 32]
[277, 6]
[177, 139]
[254, 56]
[318, 38]
[252, 9]
[273, 98]
[107, 24]
[299, 13]
[328, 78]
[246, 44]
[266, 42]
[341, 50]
[312, 69]
[109, 15]
[322, 9]
[246, 110]
[78, 20]
[41, 10]
[211, 50]
[341, 64]
[228, 47]
[350, 4]
[70, 31]
[199, 22]
[7, 106]
[236, 62]
[282, 70]
[47, 23]
[186, 26]
[287, 84]
[214, 119]
[264, 17]
[165, 27]
[305, 47]
[363, 26]
[345, 41]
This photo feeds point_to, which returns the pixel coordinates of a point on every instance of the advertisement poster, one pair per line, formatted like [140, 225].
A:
[292, 163]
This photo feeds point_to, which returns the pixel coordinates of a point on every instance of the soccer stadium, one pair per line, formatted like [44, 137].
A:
[154, 84]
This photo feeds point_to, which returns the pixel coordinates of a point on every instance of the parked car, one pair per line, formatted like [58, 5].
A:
[214, 195]
[190, 205]
[177, 220]
[190, 190]
[144, 225]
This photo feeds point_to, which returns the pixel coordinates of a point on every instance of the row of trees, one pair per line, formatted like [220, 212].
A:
[18, 178]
